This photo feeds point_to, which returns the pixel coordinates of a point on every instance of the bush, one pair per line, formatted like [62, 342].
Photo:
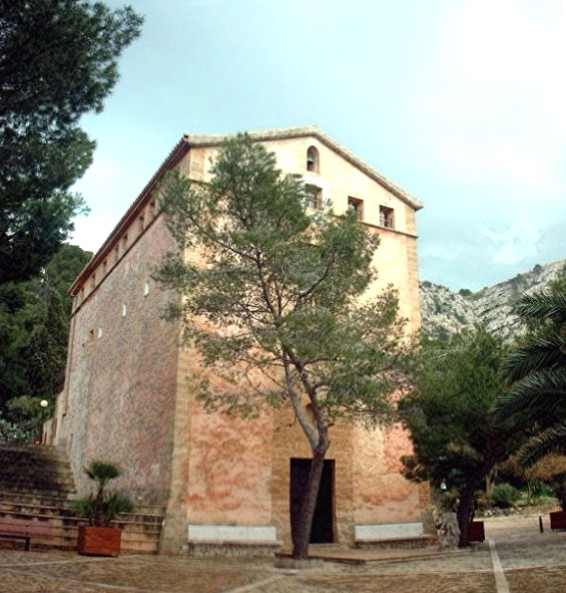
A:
[541, 490]
[505, 496]
[558, 486]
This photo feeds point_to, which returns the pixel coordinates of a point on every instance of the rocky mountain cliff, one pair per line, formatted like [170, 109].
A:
[446, 311]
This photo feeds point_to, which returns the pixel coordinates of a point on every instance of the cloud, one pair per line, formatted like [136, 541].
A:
[495, 94]
[514, 244]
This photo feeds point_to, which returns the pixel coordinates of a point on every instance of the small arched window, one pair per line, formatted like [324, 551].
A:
[313, 162]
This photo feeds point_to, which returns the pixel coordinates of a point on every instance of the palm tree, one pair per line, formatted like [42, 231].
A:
[102, 509]
[536, 374]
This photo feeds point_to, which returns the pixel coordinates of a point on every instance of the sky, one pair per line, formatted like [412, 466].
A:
[462, 103]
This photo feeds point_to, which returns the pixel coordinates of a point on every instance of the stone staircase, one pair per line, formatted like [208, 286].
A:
[36, 484]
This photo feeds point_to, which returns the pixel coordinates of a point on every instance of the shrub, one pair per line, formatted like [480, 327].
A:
[505, 496]
[558, 486]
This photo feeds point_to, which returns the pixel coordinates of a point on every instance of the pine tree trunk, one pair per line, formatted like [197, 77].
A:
[302, 533]
[464, 514]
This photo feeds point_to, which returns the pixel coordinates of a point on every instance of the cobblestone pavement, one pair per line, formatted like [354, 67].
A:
[533, 562]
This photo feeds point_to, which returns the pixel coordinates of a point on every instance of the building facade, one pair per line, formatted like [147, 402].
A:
[226, 481]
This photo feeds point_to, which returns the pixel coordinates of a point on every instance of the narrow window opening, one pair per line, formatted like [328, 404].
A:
[90, 342]
[141, 223]
[386, 217]
[124, 309]
[152, 208]
[100, 332]
[314, 197]
[313, 162]
[146, 289]
[357, 206]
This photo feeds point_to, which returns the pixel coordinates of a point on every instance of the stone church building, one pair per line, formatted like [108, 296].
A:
[224, 481]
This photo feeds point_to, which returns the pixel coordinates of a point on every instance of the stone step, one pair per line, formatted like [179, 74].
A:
[38, 468]
[36, 483]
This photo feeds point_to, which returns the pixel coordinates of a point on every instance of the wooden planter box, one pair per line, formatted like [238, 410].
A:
[476, 531]
[99, 541]
[558, 520]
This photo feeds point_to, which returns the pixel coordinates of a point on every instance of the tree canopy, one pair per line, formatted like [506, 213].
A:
[272, 303]
[34, 331]
[456, 439]
[58, 61]
[536, 373]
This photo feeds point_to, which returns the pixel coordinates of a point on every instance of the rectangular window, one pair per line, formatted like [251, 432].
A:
[386, 217]
[314, 197]
[357, 206]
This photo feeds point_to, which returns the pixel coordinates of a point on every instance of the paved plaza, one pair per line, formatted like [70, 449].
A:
[518, 559]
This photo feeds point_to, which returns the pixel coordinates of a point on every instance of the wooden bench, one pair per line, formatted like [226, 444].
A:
[23, 529]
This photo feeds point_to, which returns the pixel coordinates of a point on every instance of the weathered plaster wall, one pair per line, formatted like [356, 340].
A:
[127, 398]
[289, 442]
[381, 493]
[368, 485]
[229, 469]
[396, 257]
[118, 400]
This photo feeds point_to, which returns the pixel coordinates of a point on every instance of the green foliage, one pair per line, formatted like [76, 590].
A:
[62, 269]
[12, 433]
[456, 439]
[102, 507]
[25, 411]
[114, 504]
[465, 292]
[279, 292]
[34, 328]
[275, 312]
[558, 488]
[536, 373]
[58, 61]
[505, 496]
[102, 472]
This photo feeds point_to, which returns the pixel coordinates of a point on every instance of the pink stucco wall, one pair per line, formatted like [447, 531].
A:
[118, 400]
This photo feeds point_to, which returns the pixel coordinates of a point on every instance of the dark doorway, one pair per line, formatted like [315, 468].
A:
[323, 522]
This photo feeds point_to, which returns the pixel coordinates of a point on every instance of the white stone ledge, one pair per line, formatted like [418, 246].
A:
[253, 534]
[386, 531]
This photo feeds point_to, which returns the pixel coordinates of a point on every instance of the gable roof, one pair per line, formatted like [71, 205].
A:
[312, 132]
[204, 140]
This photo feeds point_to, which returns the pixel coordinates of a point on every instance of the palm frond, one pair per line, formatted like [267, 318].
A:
[542, 391]
[542, 352]
[543, 306]
[551, 440]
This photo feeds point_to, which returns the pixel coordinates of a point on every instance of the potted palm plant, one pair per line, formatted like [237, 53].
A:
[99, 538]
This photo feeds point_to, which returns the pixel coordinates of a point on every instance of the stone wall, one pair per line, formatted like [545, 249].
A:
[119, 394]
[128, 395]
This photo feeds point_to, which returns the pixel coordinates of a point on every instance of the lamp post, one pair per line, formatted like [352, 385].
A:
[43, 403]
